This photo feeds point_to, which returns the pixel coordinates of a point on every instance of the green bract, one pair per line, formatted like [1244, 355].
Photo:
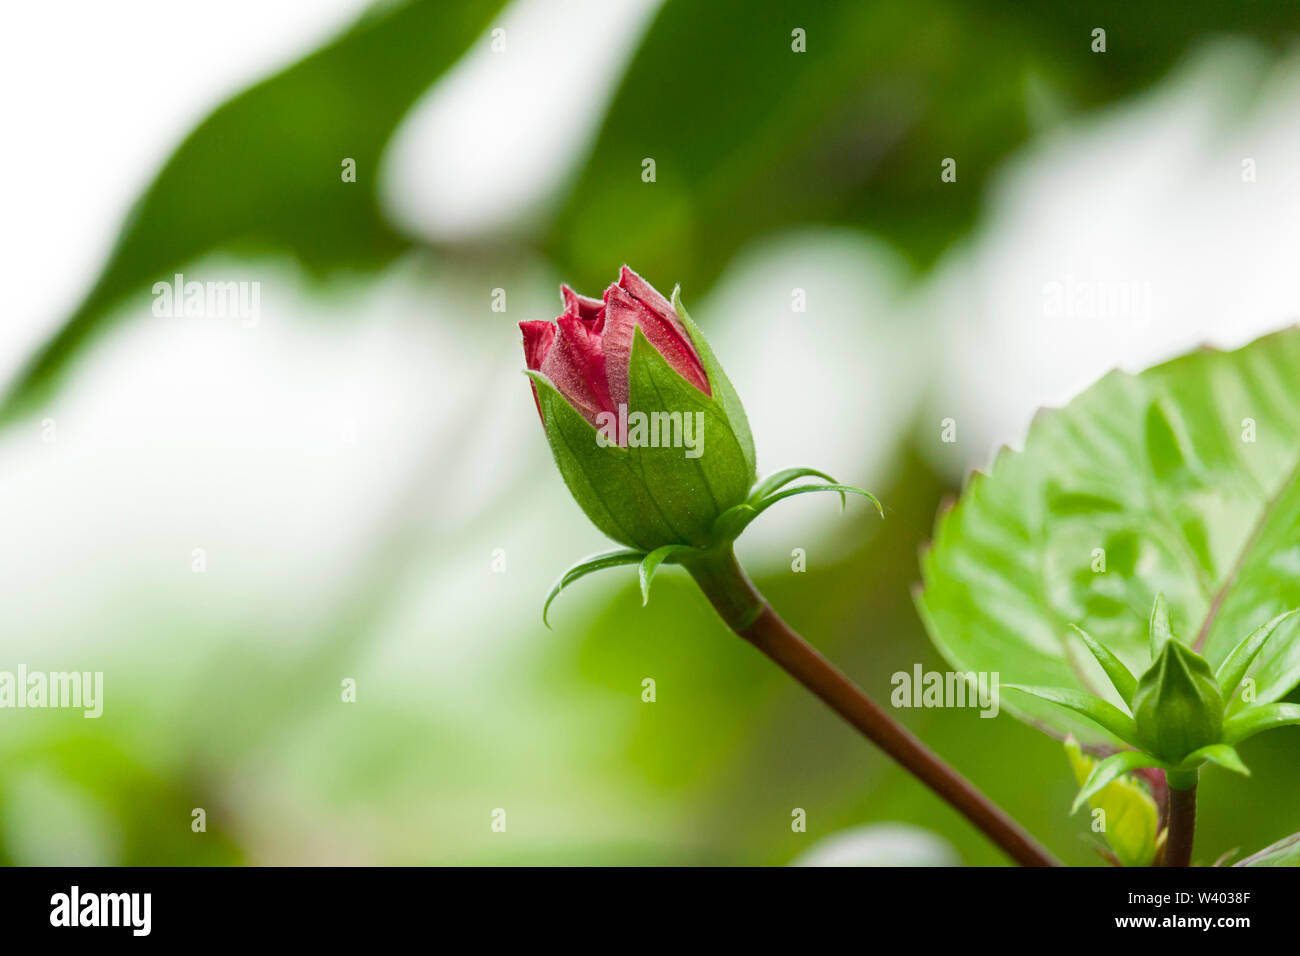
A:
[1175, 719]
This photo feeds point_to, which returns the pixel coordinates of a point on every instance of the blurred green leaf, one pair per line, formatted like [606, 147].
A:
[1239, 659]
[1285, 852]
[1008, 575]
[263, 173]
[749, 136]
[151, 807]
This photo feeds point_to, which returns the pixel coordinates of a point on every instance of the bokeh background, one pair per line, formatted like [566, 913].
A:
[362, 468]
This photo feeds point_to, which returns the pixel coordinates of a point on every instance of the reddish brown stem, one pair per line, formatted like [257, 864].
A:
[1182, 826]
[749, 615]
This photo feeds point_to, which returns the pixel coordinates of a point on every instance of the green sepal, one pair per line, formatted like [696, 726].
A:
[733, 521]
[1121, 678]
[1160, 629]
[690, 493]
[601, 480]
[1222, 754]
[1101, 712]
[650, 564]
[720, 385]
[1234, 666]
[1258, 719]
[1110, 770]
[597, 562]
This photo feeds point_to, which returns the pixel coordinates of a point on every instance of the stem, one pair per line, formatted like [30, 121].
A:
[745, 611]
[1182, 825]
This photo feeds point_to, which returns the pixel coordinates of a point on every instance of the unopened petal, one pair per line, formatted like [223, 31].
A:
[582, 307]
[538, 337]
[576, 364]
[623, 315]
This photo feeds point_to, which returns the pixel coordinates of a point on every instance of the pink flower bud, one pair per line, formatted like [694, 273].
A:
[586, 351]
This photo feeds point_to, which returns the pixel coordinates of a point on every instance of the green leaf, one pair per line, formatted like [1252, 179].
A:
[590, 565]
[1285, 852]
[1132, 817]
[1110, 770]
[782, 478]
[1259, 719]
[650, 564]
[1121, 678]
[263, 171]
[1222, 754]
[1100, 712]
[1238, 661]
[1215, 534]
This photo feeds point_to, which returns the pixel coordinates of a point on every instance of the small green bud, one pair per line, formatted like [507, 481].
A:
[1178, 706]
[1131, 816]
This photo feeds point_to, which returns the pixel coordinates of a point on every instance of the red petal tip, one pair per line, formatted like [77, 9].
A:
[538, 337]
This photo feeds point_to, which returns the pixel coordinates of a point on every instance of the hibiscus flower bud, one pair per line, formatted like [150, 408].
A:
[1178, 705]
[647, 431]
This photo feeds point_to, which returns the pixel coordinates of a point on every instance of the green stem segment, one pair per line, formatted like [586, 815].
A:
[745, 611]
[1182, 824]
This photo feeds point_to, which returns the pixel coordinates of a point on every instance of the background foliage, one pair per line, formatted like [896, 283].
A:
[229, 700]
